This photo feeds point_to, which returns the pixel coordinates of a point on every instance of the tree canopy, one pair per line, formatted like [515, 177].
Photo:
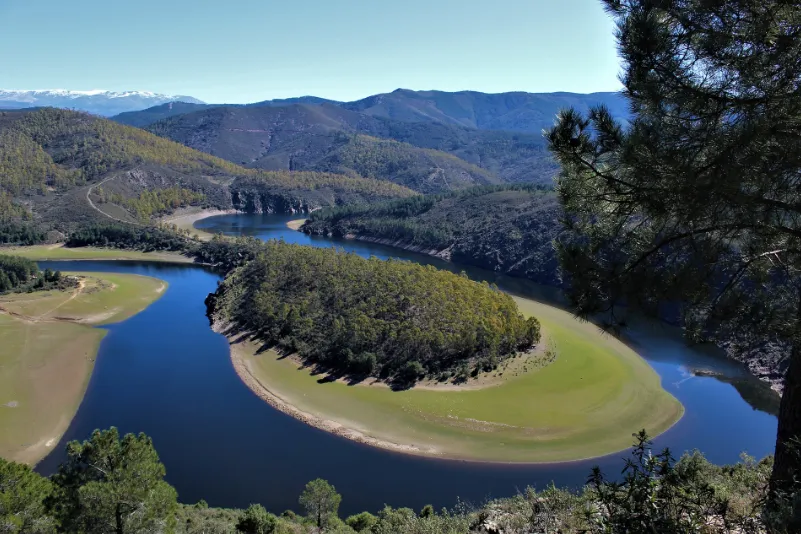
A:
[698, 202]
[115, 485]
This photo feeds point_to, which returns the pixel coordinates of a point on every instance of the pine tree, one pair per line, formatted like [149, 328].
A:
[698, 199]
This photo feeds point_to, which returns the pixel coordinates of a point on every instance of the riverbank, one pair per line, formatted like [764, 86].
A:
[585, 404]
[50, 344]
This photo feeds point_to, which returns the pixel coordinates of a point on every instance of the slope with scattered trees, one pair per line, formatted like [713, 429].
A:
[508, 229]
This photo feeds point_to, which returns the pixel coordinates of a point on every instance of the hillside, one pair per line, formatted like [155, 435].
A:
[305, 137]
[517, 111]
[506, 229]
[59, 168]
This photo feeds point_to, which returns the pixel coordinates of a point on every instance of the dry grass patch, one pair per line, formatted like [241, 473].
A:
[48, 353]
[60, 252]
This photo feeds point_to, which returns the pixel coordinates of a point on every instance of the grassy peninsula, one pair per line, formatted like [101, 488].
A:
[49, 348]
[350, 330]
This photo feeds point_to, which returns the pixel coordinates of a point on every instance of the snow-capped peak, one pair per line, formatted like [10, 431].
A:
[99, 101]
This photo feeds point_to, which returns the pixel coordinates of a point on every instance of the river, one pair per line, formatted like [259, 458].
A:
[164, 372]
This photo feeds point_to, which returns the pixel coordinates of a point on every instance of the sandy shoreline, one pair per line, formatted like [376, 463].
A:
[296, 224]
[186, 221]
[239, 352]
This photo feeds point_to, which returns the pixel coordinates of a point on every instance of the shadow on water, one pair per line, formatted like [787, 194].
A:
[166, 373]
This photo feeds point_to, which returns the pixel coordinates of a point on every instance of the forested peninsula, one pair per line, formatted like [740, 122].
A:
[393, 320]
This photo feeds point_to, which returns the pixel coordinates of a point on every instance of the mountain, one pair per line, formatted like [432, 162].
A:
[323, 138]
[499, 133]
[515, 111]
[145, 117]
[276, 102]
[506, 229]
[518, 111]
[106, 103]
[59, 168]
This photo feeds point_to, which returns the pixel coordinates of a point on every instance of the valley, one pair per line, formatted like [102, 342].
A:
[179, 343]
[364, 176]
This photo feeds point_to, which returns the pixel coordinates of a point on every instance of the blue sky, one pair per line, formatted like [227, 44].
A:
[249, 50]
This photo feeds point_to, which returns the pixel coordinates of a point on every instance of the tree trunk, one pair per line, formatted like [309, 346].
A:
[787, 465]
[118, 518]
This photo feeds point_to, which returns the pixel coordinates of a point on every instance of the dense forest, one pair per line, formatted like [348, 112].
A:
[222, 253]
[366, 317]
[126, 236]
[16, 233]
[506, 228]
[116, 484]
[21, 274]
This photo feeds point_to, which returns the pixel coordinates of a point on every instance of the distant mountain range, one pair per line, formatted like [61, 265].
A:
[514, 112]
[98, 102]
[517, 111]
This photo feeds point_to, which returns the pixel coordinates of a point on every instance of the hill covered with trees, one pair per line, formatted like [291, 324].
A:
[395, 320]
[61, 168]
[310, 136]
[508, 229]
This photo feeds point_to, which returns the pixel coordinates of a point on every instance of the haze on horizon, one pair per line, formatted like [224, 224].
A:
[343, 51]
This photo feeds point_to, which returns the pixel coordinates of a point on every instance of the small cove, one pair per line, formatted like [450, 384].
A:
[165, 373]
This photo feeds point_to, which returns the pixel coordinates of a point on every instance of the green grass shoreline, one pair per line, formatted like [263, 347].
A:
[585, 405]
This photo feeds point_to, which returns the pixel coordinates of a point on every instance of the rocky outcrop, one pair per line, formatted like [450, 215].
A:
[264, 201]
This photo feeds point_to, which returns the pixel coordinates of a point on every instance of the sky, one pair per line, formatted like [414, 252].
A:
[238, 51]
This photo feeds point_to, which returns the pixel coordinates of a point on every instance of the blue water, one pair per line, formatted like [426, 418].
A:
[164, 372]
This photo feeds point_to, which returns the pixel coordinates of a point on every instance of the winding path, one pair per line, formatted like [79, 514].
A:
[92, 204]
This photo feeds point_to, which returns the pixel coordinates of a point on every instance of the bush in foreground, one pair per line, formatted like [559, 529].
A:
[113, 484]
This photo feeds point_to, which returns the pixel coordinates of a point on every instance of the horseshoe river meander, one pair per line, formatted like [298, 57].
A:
[166, 373]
